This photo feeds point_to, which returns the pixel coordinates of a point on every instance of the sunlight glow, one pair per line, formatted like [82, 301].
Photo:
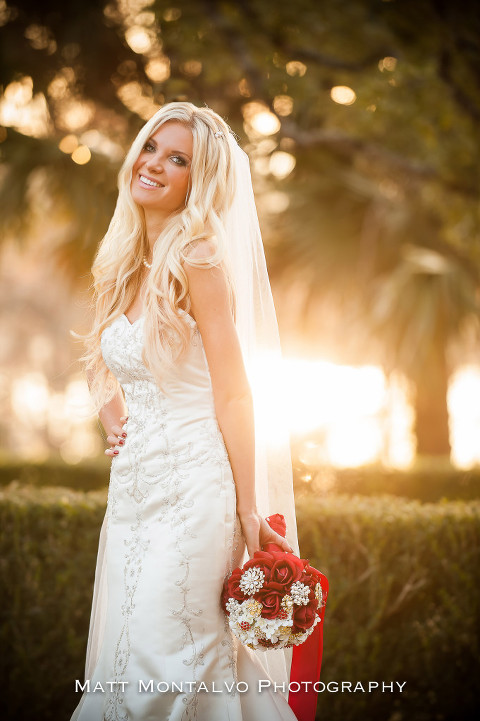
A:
[29, 398]
[337, 415]
[359, 418]
[354, 443]
[65, 419]
[464, 408]
[24, 111]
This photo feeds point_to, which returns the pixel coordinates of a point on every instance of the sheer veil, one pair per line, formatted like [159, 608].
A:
[257, 328]
[259, 338]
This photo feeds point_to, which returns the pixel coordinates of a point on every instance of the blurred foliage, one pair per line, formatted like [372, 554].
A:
[410, 137]
[81, 477]
[426, 482]
[43, 634]
[395, 170]
[403, 602]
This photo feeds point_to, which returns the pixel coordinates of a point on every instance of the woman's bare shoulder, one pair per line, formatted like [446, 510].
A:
[201, 248]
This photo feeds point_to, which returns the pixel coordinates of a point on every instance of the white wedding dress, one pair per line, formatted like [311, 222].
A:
[169, 538]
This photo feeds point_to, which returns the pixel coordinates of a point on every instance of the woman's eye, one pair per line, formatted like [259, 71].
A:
[149, 147]
[178, 160]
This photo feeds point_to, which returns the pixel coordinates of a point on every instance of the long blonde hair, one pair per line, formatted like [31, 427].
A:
[117, 265]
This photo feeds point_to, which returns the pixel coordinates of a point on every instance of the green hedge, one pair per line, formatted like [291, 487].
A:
[82, 477]
[48, 550]
[429, 481]
[403, 604]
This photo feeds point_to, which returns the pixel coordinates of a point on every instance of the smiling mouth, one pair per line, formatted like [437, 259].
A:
[150, 183]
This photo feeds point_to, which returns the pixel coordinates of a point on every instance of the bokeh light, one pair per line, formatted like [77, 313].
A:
[281, 164]
[283, 105]
[343, 95]
[387, 63]
[266, 123]
[295, 67]
[81, 155]
[139, 39]
[76, 114]
[158, 69]
[68, 144]
[23, 110]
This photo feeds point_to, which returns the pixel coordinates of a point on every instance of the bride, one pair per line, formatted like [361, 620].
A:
[182, 306]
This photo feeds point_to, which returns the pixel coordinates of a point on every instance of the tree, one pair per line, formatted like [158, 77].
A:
[376, 102]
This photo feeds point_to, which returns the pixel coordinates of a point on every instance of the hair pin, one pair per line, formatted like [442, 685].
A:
[218, 134]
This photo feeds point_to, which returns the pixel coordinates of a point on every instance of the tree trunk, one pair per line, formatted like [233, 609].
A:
[431, 411]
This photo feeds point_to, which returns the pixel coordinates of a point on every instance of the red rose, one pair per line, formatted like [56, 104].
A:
[232, 588]
[277, 524]
[262, 560]
[309, 581]
[270, 596]
[310, 577]
[313, 572]
[303, 618]
[286, 569]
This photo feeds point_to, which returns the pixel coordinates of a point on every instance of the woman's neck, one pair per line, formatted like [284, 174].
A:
[154, 224]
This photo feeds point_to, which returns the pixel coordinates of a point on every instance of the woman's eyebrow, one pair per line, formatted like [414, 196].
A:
[182, 152]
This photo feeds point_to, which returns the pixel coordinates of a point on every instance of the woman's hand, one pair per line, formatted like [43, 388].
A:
[116, 438]
[257, 533]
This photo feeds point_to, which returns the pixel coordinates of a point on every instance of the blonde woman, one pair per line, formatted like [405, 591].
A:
[165, 361]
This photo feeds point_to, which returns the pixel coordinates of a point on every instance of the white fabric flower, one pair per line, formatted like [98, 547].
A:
[300, 593]
[252, 581]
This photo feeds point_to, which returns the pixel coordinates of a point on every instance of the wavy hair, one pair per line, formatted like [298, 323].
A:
[117, 266]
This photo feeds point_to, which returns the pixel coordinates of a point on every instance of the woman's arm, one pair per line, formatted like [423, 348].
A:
[231, 391]
[112, 416]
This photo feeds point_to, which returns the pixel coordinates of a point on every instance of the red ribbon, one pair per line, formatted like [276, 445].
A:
[306, 665]
[307, 658]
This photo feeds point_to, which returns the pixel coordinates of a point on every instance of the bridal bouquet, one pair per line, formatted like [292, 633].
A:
[275, 600]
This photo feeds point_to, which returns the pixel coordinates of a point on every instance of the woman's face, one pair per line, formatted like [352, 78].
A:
[161, 173]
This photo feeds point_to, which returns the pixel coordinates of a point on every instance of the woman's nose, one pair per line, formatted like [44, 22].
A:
[155, 163]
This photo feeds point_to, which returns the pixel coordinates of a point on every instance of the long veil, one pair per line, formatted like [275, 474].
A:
[257, 328]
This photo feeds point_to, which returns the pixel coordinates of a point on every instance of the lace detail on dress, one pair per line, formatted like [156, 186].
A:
[173, 443]
[136, 545]
[213, 452]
